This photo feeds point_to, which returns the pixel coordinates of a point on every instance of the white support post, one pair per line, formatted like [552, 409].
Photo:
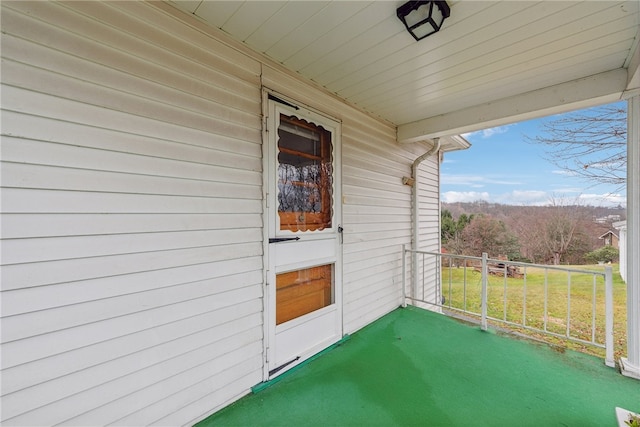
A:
[483, 296]
[608, 322]
[630, 366]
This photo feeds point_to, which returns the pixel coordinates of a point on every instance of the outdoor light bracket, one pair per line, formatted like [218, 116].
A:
[425, 18]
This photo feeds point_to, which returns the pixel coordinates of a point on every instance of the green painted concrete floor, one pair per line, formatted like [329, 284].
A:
[417, 368]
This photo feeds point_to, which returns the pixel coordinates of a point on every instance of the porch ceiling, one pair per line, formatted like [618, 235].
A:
[492, 62]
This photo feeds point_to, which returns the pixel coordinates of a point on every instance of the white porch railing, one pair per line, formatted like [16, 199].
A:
[571, 304]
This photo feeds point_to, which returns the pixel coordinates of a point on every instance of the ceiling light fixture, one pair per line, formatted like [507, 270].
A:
[423, 18]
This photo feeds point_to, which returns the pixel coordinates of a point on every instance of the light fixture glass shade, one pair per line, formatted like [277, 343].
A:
[423, 18]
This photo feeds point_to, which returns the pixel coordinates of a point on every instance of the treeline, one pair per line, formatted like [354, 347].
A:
[553, 234]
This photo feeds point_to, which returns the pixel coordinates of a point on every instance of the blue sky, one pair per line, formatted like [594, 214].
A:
[501, 167]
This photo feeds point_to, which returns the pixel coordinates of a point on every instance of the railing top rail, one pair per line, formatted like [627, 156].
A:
[517, 263]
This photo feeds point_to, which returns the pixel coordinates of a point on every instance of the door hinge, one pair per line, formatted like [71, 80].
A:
[266, 356]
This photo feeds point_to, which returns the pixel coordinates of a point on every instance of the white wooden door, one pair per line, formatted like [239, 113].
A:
[303, 259]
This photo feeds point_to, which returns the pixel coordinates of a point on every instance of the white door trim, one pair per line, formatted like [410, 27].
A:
[335, 310]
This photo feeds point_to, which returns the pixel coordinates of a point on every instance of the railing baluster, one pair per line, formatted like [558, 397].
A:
[404, 276]
[504, 293]
[568, 304]
[450, 284]
[464, 285]
[593, 311]
[483, 302]
[423, 298]
[524, 298]
[546, 297]
[608, 324]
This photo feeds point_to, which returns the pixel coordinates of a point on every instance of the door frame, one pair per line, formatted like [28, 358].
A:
[268, 163]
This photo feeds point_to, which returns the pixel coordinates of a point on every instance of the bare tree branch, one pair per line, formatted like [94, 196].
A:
[590, 143]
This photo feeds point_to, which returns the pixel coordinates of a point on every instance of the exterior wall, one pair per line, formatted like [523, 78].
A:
[132, 199]
[429, 231]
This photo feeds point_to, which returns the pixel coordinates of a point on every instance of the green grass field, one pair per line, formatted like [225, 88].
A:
[507, 303]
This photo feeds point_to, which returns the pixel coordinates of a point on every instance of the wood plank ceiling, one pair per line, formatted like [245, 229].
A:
[488, 55]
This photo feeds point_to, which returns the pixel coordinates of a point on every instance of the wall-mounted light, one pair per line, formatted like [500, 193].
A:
[423, 18]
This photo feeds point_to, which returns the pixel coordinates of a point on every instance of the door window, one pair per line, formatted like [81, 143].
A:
[303, 291]
[305, 172]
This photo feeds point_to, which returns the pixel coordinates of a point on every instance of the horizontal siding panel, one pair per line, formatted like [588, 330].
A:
[38, 152]
[182, 40]
[388, 196]
[37, 177]
[198, 398]
[104, 40]
[141, 344]
[17, 251]
[175, 107]
[375, 217]
[371, 307]
[18, 276]
[358, 157]
[39, 104]
[30, 299]
[22, 100]
[16, 226]
[167, 87]
[176, 371]
[353, 259]
[367, 268]
[368, 179]
[373, 236]
[363, 227]
[180, 406]
[356, 210]
[18, 75]
[191, 146]
[44, 201]
[42, 322]
[38, 347]
[374, 203]
[97, 375]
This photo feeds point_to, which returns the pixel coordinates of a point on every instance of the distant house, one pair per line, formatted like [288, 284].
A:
[607, 219]
[621, 226]
[610, 239]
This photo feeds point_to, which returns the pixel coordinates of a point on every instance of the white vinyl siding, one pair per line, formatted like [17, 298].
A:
[132, 199]
[429, 228]
[132, 230]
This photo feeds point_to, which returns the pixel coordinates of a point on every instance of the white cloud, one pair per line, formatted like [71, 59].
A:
[464, 196]
[487, 133]
[534, 198]
[563, 172]
[474, 180]
[607, 199]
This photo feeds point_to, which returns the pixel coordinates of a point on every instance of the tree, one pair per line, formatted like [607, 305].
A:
[604, 254]
[486, 234]
[562, 228]
[451, 231]
[589, 143]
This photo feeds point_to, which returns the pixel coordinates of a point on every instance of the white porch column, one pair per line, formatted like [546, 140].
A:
[631, 364]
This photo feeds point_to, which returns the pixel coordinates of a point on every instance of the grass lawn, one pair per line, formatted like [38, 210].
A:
[522, 300]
